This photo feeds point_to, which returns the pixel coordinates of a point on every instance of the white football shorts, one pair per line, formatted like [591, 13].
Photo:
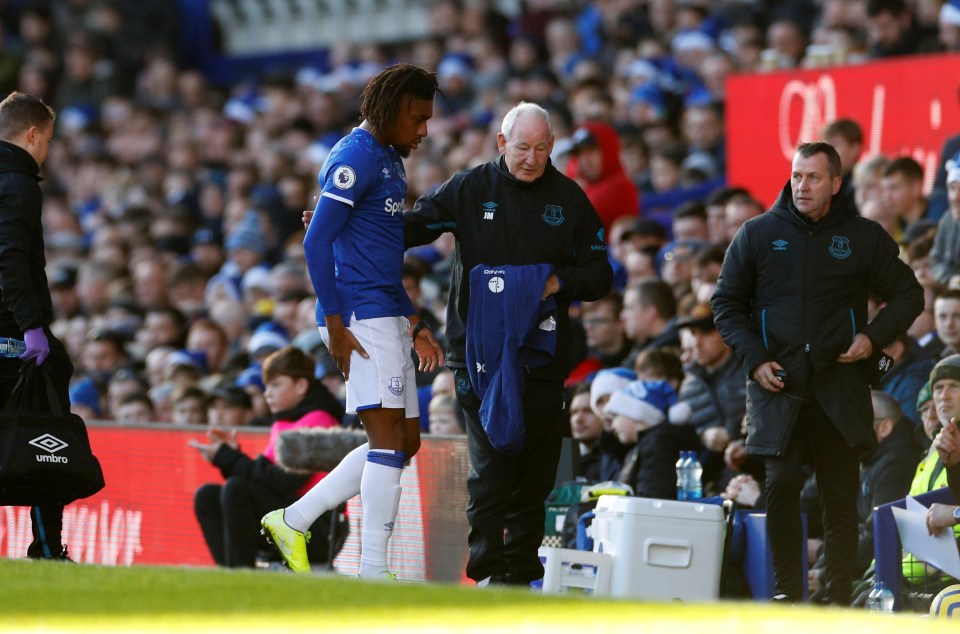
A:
[387, 379]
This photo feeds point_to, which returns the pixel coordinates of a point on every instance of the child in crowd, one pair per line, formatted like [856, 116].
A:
[446, 417]
[642, 416]
[229, 514]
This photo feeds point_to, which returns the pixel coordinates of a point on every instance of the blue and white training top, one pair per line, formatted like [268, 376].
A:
[354, 244]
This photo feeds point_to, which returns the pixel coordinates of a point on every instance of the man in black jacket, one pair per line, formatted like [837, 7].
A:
[792, 303]
[26, 309]
[887, 471]
[517, 210]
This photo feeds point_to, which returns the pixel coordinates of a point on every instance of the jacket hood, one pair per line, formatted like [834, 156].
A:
[609, 143]
[784, 208]
[14, 158]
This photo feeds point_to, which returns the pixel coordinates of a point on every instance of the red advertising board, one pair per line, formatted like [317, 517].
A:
[144, 514]
[906, 107]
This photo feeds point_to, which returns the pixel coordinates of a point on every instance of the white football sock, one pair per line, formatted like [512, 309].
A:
[340, 485]
[380, 493]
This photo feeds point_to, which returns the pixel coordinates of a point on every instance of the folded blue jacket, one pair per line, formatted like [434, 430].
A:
[509, 330]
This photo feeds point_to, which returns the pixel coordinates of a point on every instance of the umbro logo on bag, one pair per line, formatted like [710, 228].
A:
[51, 444]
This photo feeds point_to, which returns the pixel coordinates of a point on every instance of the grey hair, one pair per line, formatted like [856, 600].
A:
[524, 107]
[886, 406]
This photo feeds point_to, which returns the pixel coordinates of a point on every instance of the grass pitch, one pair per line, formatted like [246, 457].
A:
[53, 596]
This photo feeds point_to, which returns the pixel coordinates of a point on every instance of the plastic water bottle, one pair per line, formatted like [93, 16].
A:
[694, 477]
[11, 347]
[682, 476]
[880, 598]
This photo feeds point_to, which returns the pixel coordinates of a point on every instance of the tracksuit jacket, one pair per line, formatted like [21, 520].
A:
[500, 220]
[509, 331]
[796, 292]
[25, 301]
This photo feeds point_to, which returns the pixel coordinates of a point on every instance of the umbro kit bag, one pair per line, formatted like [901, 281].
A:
[45, 454]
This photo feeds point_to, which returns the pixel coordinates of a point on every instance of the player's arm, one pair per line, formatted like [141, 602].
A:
[330, 217]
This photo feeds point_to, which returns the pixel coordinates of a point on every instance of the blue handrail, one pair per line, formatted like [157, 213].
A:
[886, 539]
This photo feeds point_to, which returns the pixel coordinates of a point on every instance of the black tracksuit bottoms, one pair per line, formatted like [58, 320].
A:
[507, 492]
[817, 441]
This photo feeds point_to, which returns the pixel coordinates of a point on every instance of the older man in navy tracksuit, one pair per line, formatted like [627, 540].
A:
[516, 210]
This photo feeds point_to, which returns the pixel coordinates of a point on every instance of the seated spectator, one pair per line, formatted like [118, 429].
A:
[251, 382]
[585, 429]
[923, 330]
[229, 514]
[649, 317]
[887, 470]
[706, 271]
[135, 408]
[867, 175]
[902, 191]
[675, 265]
[884, 216]
[690, 222]
[738, 210]
[660, 364]
[932, 472]
[716, 204]
[612, 452]
[123, 382]
[846, 136]
[184, 368]
[596, 166]
[702, 128]
[605, 383]
[186, 283]
[909, 373]
[789, 41]
[229, 406]
[208, 337]
[446, 416]
[946, 316]
[86, 401]
[714, 389]
[103, 354]
[264, 342]
[162, 397]
[189, 406]
[162, 326]
[892, 30]
[641, 415]
[945, 256]
[917, 256]
[606, 340]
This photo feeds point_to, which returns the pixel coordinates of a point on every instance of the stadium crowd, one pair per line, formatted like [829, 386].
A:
[173, 204]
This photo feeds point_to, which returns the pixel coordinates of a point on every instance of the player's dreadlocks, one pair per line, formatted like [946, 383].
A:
[393, 87]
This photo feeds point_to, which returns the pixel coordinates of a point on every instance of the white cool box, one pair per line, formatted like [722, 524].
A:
[644, 549]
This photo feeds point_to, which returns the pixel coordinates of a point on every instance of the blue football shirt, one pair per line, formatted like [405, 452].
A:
[354, 245]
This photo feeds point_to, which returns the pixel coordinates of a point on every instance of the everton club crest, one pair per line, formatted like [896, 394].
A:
[840, 247]
[396, 385]
[553, 215]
